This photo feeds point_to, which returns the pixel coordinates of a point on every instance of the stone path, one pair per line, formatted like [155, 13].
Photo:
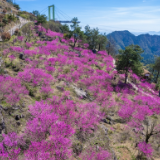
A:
[21, 24]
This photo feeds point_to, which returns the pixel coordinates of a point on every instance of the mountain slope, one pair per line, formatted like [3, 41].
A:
[149, 43]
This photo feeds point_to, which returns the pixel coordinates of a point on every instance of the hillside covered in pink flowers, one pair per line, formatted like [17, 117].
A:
[63, 103]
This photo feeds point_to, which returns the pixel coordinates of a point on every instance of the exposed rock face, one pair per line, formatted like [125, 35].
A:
[79, 91]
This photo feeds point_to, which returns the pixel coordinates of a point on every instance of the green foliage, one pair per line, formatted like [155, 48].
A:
[74, 23]
[64, 28]
[156, 67]
[2, 24]
[158, 85]
[27, 15]
[11, 17]
[16, 6]
[67, 35]
[92, 36]
[36, 13]
[76, 30]
[53, 26]
[10, 1]
[95, 39]
[130, 59]
[5, 20]
[16, 65]
[32, 90]
[77, 147]
[1, 71]
[7, 62]
[41, 19]
[102, 41]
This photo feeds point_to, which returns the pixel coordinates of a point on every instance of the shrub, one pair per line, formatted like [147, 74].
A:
[16, 31]
[6, 36]
[5, 20]
[4, 11]
[1, 24]
[16, 6]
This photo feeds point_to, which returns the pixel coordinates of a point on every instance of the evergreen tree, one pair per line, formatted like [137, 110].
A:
[130, 59]
[41, 19]
[157, 67]
[76, 30]
[16, 6]
[10, 1]
[36, 13]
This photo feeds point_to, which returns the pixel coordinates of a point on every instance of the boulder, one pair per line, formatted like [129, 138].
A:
[1, 61]
[5, 71]
[18, 123]
[39, 34]
[17, 117]
[94, 51]
[79, 55]
[21, 116]
[105, 121]
[21, 56]
[105, 129]
[60, 88]
[79, 91]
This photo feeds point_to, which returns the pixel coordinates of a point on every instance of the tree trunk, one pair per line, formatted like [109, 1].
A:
[157, 77]
[126, 76]
[147, 138]
[152, 71]
[75, 40]
[99, 47]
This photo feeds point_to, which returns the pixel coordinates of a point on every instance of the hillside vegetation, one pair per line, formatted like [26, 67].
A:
[60, 101]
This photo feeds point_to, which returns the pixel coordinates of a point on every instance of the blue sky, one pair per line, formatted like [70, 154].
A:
[107, 15]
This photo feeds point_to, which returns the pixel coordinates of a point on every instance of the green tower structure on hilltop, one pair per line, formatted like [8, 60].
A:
[53, 12]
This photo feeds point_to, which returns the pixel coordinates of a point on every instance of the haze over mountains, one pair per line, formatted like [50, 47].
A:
[149, 43]
[150, 32]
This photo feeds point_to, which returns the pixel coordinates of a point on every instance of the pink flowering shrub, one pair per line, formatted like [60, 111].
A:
[145, 148]
[35, 77]
[92, 154]
[28, 45]
[6, 51]
[88, 117]
[55, 121]
[11, 89]
[86, 45]
[10, 146]
[16, 49]
[12, 57]
[57, 144]
[20, 38]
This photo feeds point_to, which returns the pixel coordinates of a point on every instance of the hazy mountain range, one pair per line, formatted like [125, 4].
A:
[149, 43]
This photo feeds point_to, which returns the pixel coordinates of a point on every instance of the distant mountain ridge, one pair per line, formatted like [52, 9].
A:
[149, 43]
[149, 32]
